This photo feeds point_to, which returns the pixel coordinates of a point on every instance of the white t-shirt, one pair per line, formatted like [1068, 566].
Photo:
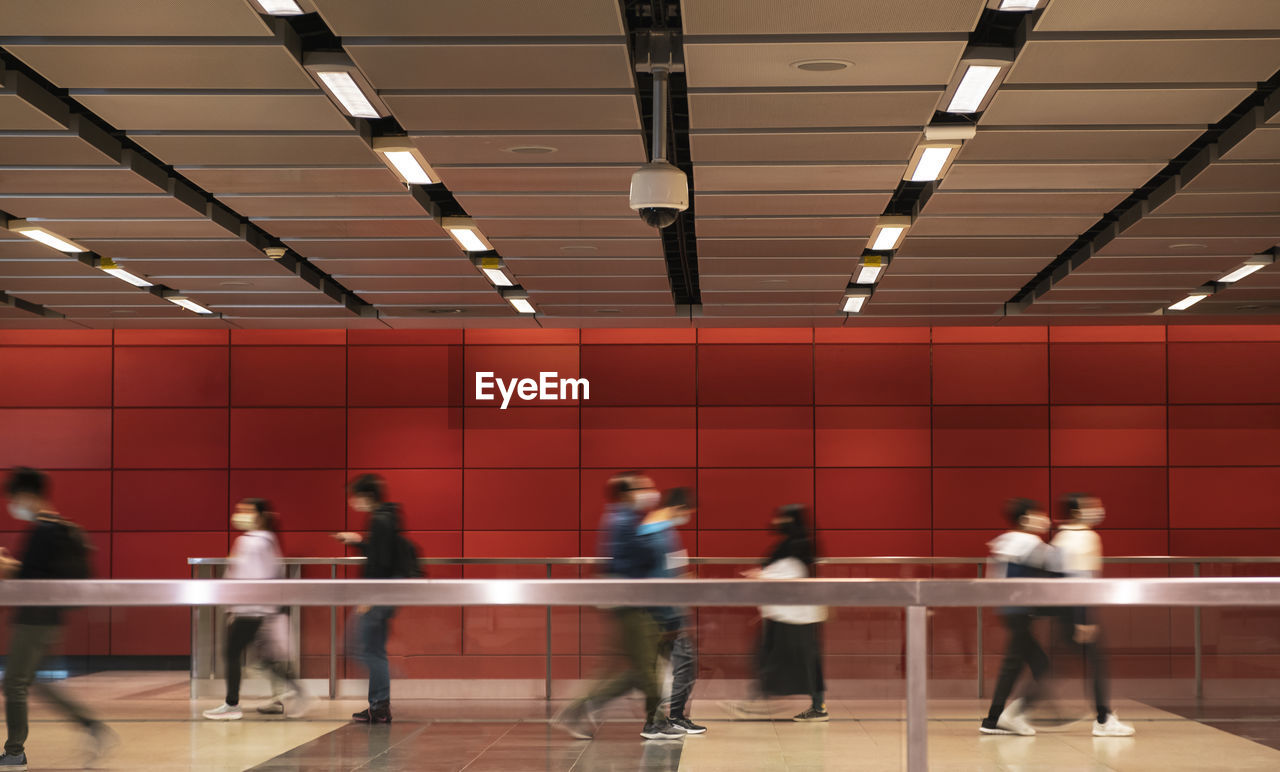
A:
[790, 568]
[255, 555]
[1081, 550]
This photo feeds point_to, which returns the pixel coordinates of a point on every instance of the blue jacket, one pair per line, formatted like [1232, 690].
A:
[631, 554]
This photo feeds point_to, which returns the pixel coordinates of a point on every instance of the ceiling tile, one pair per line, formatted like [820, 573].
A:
[1079, 107]
[829, 109]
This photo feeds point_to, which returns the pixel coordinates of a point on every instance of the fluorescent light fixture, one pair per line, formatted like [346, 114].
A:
[981, 71]
[1251, 266]
[494, 270]
[466, 233]
[405, 160]
[178, 300]
[1014, 5]
[279, 7]
[109, 266]
[1189, 301]
[345, 84]
[972, 91]
[45, 236]
[519, 299]
[870, 266]
[931, 160]
[855, 298]
[888, 233]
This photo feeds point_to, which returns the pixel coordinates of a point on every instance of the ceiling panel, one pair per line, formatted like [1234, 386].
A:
[481, 297]
[1220, 60]
[188, 65]
[340, 268]
[292, 180]
[722, 283]
[249, 149]
[599, 284]
[1191, 15]
[18, 115]
[585, 248]
[216, 112]
[77, 180]
[806, 177]
[755, 64]
[827, 109]
[548, 205]
[1172, 264]
[1186, 245]
[1081, 144]
[1219, 203]
[135, 229]
[1223, 178]
[1261, 145]
[564, 227]
[574, 179]
[899, 280]
[91, 206]
[1081, 280]
[160, 248]
[473, 282]
[794, 227]
[1054, 176]
[321, 205]
[51, 150]
[507, 113]
[914, 246]
[930, 225]
[510, 149]
[790, 204]
[776, 266]
[820, 146]
[546, 64]
[1237, 225]
[527, 267]
[166, 265]
[897, 296]
[778, 247]
[353, 227]
[1080, 107]
[947, 202]
[827, 17]
[382, 247]
[597, 298]
[966, 266]
[442, 18]
[133, 18]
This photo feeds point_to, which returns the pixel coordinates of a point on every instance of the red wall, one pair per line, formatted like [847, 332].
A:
[905, 440]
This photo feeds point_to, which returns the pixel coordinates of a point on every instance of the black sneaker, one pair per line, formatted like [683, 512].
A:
[661, 730]
[688, 726]
[10, 761]
[374, 714]
[812, 714]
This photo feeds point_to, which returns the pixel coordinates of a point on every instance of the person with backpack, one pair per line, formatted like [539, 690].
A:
[254, 555]
[388, 555]
[54, 548]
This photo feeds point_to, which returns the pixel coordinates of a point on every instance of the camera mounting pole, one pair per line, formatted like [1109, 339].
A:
[660, 53]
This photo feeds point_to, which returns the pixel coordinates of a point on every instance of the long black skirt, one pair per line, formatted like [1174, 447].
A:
[790, 659]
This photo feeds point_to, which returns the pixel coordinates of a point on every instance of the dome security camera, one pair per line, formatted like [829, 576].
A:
[659, 192]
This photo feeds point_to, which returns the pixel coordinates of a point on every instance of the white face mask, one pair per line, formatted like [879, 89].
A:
[244, 521]
[645, 501]
[1036, 523]
[19, 512]
[1091, 516]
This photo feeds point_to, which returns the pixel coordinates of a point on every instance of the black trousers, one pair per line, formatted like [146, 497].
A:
[1022, 650]
[241, 633]
[1095, 660]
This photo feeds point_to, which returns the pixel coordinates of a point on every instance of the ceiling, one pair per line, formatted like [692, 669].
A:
[178, 137]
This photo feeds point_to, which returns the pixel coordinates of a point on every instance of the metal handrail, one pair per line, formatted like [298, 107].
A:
[892, 560]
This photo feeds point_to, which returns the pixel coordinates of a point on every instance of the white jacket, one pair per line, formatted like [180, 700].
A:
[1081, 550]
[790, 568]
[255, 555]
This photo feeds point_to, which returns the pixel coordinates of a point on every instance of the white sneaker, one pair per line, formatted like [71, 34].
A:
[296, 704]
[1112, 728]
[224, 712]
[1011, 722]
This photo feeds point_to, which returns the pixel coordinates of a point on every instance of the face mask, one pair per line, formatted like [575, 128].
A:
[1036, 523]
[19, 512]
[681, 517]
[645, 501]
[1091, 516]
[244, 521]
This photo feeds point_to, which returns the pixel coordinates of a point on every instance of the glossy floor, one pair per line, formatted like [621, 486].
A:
[161, 729]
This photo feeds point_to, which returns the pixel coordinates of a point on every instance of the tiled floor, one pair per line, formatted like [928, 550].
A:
[162, 730]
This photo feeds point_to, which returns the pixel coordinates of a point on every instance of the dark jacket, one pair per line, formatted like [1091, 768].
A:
[380, 546]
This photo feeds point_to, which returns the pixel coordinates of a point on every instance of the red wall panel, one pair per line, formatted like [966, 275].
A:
[288, 438]
[992, 435]
[975, 498]
[764, 374]
[1224, 435]
[742, 499]
[873, 498]
[83, 497]
[306, 499]
[165, 438]
[56, 438]
[430, 499]
[872, 436]
[990, 374]
[755, 436]
[1107, 373]
[875, 374]
[521, 437]
[1242, 497]
[170, 376]
[39, 376]
[1225, 372]
[520, 499]
[406, 376]
[1134, 497]
[593, 482]
[288, 376]
[1109, 435]
[404, 438]
[639, 437]
[157, 555]
[169, 500]
[640, 374]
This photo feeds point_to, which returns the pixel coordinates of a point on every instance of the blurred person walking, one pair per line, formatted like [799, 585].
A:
[677, 644]
[1080, 548]
[632, 555]
[53, 548]
[790, 654]
[1020, 553]
[388, 555]
[255, 555]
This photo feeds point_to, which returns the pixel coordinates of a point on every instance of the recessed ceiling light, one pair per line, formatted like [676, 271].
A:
[466, 233]
[405, 160]
[1189, 301]
[279, 7]
[45, 236]
[822, 65]
[529, 149]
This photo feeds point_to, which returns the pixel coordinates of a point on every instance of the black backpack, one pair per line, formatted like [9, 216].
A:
[73, 552]
[407, 565]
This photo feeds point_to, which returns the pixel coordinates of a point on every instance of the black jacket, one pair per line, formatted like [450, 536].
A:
[380, 546]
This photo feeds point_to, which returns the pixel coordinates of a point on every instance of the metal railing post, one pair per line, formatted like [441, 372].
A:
[981, 674]
[333, 642]
[1195, 627]
[195, 638]
[548, 674]
[917, 689]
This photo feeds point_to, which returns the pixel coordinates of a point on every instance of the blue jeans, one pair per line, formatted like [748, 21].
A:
[684, 671]
[373, 626]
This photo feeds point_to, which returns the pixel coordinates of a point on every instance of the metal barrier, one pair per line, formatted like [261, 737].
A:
[916, 596]
[206, 630]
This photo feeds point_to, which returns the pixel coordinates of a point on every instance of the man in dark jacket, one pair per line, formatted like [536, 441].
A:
[383, 560]
[54, 549]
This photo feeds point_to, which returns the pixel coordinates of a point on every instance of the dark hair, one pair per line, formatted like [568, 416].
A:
[1072, 502]
[268, 520]
[620, 485]
[370, 485]
[797, 540]
[24, 479]
[1015, 509]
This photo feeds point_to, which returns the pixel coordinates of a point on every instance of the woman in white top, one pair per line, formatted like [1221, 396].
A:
[254, 555]
[790, 655]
